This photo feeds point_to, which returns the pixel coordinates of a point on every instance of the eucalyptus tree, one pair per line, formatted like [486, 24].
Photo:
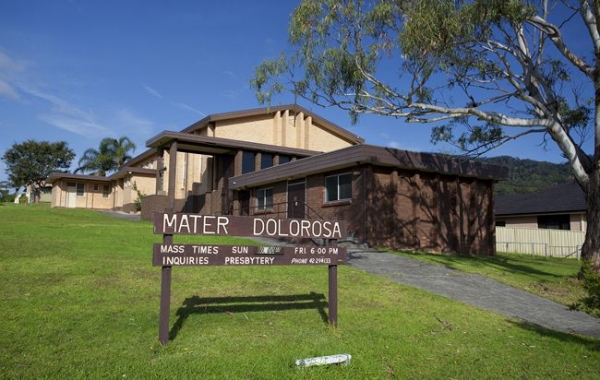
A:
[110, 155]
[479, 73]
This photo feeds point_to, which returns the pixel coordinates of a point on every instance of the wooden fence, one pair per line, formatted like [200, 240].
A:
[555, 243]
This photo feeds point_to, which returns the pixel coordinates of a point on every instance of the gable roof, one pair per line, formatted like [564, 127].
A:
[188, 139]
[369, 154]
[328, 125]
[566, 197]
[203, 123]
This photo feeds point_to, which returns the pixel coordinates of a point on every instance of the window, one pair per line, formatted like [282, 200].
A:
[96, 187]
[554, 222]
[105, 191]
[338, 187]
[284, 159]
[80, 189]
[500, 223]
[264, 199]
[266, 160]
[248, 162]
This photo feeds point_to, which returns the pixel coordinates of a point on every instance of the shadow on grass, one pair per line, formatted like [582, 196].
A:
[591, 343]
[206, 305]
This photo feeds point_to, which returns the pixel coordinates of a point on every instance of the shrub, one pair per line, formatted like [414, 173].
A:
[138, 201]
[6, 197]
[591, 284]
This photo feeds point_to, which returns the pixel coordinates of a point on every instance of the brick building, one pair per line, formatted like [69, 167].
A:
[287, 162]
[287, 132]
[388, 197]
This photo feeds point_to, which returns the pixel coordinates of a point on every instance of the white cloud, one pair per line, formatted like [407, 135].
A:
[8, 64]
[151, 91]
[67, 116]
[188, 108]
[60, 113]
[82, 127]
[66, 113]
[127, 122]
[231, 74]
[9, 71]
[7, 91]
[231, 94]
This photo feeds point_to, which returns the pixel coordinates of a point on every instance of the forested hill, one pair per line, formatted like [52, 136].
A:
[526, 176]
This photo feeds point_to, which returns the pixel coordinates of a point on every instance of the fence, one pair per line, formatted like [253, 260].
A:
[555, 243]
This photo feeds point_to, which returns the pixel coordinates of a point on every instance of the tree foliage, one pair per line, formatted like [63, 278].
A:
[477, 66]
[529, 176]
[30, 162]
[479, 72]
[110, 155]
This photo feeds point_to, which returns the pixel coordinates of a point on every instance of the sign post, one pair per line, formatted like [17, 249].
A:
[167, 254]
[165, 298]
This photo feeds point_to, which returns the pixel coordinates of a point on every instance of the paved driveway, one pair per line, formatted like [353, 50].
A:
[475, 290]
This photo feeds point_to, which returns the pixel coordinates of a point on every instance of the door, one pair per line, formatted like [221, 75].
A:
[71, 195]
[296, 203]
[244, 199]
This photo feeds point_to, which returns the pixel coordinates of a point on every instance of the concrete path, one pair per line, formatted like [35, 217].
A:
[475, 290]
[122, 215]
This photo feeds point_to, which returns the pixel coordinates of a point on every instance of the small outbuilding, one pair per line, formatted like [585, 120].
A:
[561, 207]
[389, 197]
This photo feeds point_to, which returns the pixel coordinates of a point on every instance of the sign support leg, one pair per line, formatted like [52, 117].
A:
[165, 299]
[333, 301]
[165, 303]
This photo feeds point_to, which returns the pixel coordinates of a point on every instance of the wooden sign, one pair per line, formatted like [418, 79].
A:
[169, 254]
[225, 225]
[202, 255]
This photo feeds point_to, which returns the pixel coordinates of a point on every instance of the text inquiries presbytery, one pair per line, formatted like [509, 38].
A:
[196, 224]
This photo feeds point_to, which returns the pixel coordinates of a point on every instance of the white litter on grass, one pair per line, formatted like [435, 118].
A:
[324, 360]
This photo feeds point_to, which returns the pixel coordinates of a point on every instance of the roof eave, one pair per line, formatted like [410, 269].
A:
[367, 154]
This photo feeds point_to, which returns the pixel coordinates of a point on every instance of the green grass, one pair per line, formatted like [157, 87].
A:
[80, 299]
[549, 277]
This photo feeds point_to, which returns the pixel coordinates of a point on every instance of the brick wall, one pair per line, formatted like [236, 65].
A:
[405, 209]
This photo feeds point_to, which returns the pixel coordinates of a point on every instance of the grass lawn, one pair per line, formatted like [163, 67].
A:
[80, 299]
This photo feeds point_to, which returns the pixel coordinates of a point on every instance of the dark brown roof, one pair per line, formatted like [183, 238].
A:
[331, 127]
[215, 145]
[148, 153]
[57, 175]
[124, 170]
[376, 155]
[563, 198]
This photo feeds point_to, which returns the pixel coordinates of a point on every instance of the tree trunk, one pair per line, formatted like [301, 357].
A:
[590, 251]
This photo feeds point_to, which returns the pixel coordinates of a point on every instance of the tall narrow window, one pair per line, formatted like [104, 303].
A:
[266, 160]
[284, 159]
[248, 163]
[338, 187]
[105, 191]
[264, 199]
[80, 189]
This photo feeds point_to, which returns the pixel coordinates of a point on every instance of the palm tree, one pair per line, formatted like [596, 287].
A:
[109, 156]
[122, 146]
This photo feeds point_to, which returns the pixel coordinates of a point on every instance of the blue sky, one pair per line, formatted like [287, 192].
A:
[80, 71]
